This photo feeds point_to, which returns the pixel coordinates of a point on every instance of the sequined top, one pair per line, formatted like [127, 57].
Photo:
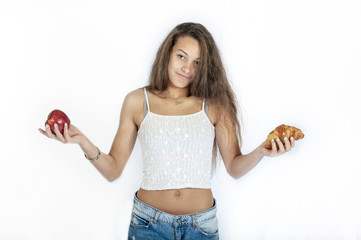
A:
[176, 150]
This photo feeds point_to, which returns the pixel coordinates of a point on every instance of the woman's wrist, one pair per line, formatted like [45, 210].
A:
[259, 151]
[89, 149]
[83, 141]
[95, 158]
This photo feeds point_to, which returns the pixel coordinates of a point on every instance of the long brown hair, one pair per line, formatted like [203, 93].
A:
[210, 83]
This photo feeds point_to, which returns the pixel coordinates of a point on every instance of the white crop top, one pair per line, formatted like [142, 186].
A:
[176, 150]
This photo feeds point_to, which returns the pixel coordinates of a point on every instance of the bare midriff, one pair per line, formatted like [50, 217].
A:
[178, 201]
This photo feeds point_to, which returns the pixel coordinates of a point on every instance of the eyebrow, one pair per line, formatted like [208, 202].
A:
[186, 53]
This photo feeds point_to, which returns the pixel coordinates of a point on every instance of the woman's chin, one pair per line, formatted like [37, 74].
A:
[181, 84]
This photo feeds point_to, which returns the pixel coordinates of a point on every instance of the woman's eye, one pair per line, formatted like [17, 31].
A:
[197, 62]
[180, 56]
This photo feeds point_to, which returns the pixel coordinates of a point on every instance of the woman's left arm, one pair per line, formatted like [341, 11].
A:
[236, 163]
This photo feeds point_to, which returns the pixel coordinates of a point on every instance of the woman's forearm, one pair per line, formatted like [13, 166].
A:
[242, 164]
[105, 164]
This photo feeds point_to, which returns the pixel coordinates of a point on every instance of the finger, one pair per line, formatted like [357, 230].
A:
[48, 132]
[274, 148]
[287, 144]
[66, 133]
[292, 142]
[42, 131]
[280, 145]
[58, 134]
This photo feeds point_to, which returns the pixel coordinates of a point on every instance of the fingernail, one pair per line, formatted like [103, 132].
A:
[285, 138]
[55, 125]
[272, 140]
[65, 125]
[278, 140]
[46, 126]
[292, 138]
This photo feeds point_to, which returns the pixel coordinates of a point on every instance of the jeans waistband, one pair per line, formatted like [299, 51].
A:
[141, 208]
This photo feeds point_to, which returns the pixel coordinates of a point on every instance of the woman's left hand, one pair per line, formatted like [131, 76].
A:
[278, 147]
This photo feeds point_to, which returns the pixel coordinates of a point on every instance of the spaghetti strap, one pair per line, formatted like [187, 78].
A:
[146, 102]
[146, 98]
[205, 107]
[204, 102]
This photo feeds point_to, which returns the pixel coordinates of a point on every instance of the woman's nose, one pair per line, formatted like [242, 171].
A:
[186, 68]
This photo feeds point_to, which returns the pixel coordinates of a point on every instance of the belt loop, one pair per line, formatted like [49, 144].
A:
[155, 219]
[194, 223]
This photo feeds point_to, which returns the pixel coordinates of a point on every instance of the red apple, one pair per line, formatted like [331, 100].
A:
[57, 117]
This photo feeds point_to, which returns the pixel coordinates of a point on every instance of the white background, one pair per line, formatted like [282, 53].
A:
[293, 62]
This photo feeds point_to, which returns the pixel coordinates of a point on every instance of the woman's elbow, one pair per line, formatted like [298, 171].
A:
[115, 171]
[234, 175]
[113, 177]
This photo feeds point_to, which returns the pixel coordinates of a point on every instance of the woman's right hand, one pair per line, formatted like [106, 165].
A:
[71, 135]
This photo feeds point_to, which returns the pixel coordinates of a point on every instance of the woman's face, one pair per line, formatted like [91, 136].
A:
[184, 62]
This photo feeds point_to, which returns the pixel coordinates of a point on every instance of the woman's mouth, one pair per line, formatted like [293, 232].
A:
[183, 77]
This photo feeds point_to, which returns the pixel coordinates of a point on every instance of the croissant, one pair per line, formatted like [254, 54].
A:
[283, 131]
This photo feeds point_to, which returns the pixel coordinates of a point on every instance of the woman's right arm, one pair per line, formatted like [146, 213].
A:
[109, 165]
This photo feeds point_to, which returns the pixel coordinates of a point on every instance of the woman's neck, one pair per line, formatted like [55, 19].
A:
[174, 93]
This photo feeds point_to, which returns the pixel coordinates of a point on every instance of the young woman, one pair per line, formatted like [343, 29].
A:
[187, 111]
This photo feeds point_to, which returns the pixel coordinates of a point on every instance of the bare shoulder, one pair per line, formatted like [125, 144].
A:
[216, 113]
[133, 105]
[134, 97]
[133, 101]
[214, 110]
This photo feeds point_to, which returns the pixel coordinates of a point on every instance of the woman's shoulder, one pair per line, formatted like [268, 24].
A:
[134, 99]
[216, 110]
[135, 95]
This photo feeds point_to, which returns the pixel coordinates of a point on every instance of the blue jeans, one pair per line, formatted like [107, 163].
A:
[150, 223]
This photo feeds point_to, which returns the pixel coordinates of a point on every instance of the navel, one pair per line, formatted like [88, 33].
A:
[177, 193]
